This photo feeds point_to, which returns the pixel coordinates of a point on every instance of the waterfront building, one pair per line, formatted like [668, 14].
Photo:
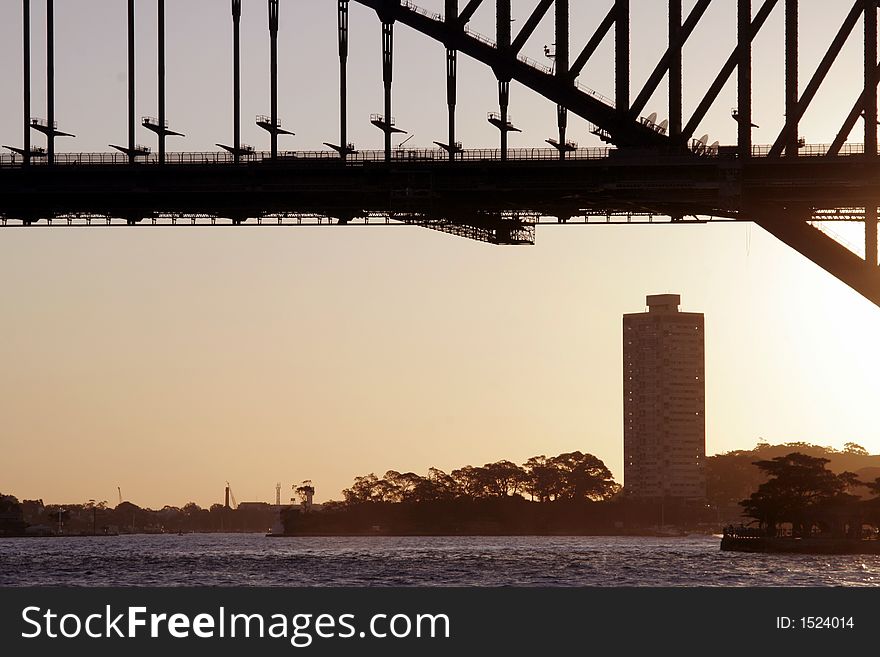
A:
[664, 402]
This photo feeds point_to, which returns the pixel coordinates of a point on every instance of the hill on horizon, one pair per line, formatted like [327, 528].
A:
[733, 476]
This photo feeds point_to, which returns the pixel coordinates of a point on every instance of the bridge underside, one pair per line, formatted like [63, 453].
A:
[653, 169]
[492, 201]
[457, 194]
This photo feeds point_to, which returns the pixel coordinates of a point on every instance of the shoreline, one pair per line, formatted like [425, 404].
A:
[634, 534]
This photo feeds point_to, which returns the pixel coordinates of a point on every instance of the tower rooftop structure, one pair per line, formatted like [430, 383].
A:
[663, 302]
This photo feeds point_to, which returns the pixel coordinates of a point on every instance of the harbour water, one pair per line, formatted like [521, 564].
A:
[254, 560]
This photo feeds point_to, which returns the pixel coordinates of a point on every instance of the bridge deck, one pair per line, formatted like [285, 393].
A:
[409, 154]
[478, 197]
[424, 185]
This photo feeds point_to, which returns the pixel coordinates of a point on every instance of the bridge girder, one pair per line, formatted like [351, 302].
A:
[625, 131]
[793, 230]
[619, 121]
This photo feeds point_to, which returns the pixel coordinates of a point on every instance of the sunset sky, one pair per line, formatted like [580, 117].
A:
[167, 361]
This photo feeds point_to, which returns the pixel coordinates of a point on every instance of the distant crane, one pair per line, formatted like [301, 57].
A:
[230, 496]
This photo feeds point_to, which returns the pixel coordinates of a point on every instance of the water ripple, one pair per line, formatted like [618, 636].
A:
[254, 560]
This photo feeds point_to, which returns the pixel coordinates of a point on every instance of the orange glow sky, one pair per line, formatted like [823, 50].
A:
[167, 361]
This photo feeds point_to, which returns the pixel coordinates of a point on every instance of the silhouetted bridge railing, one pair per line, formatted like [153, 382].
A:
[355, 158]
[401, 155]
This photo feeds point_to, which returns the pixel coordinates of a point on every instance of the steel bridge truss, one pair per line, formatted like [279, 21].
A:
[620, 122]
[777, 190]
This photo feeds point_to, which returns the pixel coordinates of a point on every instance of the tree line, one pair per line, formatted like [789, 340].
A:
[570, 476]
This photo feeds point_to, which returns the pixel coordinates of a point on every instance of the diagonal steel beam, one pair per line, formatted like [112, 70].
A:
[825, 252]
[656, 77]
[623, 131]
[600, 33]
[851, 119]
[528, 29]
[818, 77]
[726, 71]
[468, 12]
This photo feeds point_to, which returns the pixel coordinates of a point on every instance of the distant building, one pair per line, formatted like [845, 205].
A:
[664, 402]
[254, 506]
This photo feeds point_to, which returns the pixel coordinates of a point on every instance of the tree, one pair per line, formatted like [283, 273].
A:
[400, 487]
[543, 479]
[801, 490]
[569, 476]
[502, 478]
[854, 448]
[872, 506]
[442, 485]
[362, 490]
[11, 516]
[305, 490]
[583, 477]
[370, 488]
[386, 490]
[191, 509]
[470, 481]
[9, 504]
